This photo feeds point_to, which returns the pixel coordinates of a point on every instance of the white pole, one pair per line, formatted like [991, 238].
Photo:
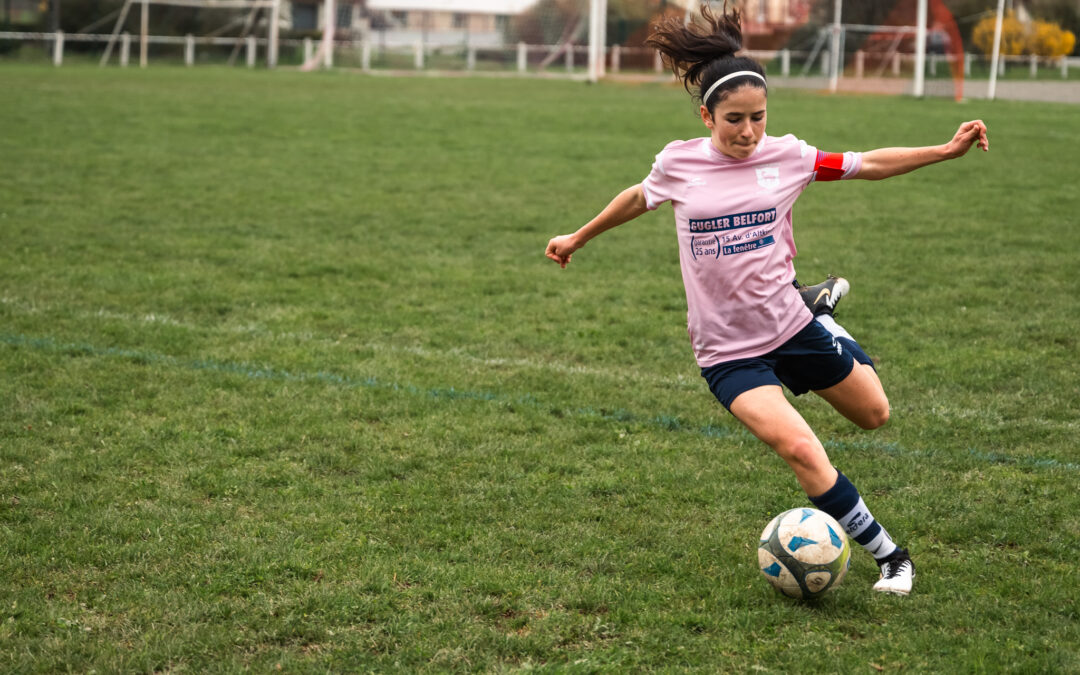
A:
[329, 26]
[309, 49]
[125, 50]
[116, 31]
[189, 50]
[860, 63]
[785, 62]
[522, 57]
[834, 49]
[418, 55]
[365, 56]
[250, 40]
[1034, 65]
[58, 48]
[991, 91]
[616, 58]
[602, 71]
[470, 58]
[594, 41]
[144, 30]
[272, 38]
[920, 50]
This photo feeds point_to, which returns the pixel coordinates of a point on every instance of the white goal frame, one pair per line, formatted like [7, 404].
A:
[255, 5]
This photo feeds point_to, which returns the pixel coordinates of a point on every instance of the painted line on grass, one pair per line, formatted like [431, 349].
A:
[661, 422]
[687, 383]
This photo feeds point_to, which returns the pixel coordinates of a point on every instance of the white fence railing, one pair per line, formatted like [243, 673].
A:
[371, 54]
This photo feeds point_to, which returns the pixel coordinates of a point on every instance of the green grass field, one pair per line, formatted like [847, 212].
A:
[287, 382]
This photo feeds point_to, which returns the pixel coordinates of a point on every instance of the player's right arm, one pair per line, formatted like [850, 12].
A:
[889, 162]
[627, 205]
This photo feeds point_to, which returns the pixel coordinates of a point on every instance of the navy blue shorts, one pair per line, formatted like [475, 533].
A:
[811, 360]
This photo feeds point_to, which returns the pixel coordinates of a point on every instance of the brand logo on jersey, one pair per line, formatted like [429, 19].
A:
[696, 181]
[768, 176]
[732, 221]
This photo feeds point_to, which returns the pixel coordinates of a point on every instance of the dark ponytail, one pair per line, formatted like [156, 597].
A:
[702, 54]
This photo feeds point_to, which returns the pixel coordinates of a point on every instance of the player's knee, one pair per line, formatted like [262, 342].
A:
[801, 452]
[875, 416]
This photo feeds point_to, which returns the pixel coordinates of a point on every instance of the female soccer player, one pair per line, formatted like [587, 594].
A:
[750, 330]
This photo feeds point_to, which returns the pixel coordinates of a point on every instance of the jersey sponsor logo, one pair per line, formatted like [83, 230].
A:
[705, 247]
[696, 181]
[768, 176]
[747, 246]
[733, 221]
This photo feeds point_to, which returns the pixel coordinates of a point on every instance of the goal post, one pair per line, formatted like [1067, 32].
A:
[919, 86]
[274, 7]
[996, 54]
[597, 39]
[892, 48]
[325, 53]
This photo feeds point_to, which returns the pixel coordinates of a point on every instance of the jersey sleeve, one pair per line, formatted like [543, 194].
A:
[836, 165]
[657, 186]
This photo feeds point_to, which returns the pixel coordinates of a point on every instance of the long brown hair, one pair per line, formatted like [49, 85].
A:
[701, 54]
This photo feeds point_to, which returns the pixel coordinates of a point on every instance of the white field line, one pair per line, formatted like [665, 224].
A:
[666, 422]
[682, 382]
[685, 382]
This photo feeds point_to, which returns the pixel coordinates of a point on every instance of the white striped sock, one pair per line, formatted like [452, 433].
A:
[830, 325]
[858, 520]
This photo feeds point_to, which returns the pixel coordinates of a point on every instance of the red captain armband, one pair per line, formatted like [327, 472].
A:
[829, 166]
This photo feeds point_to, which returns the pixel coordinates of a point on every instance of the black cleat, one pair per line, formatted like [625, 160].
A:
[823, 298]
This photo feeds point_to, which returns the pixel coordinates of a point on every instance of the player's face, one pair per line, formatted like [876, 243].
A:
[738, 122]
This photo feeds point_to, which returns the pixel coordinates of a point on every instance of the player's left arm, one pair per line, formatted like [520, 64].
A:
[888, 162]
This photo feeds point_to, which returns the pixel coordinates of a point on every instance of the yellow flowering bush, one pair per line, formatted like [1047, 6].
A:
[1041, 38]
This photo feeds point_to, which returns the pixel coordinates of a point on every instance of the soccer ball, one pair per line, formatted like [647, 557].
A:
[804, 553]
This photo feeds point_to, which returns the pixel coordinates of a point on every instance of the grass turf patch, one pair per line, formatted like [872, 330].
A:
[287, 380]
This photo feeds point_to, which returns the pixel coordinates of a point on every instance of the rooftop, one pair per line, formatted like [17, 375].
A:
[460, 6]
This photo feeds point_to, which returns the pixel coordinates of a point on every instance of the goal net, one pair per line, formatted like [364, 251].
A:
[867, 46]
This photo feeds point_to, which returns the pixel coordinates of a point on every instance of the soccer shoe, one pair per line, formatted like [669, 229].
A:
[897, 573]
[822, 298]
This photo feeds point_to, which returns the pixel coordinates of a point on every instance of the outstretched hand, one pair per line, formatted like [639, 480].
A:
[560, 249]
[969, 134]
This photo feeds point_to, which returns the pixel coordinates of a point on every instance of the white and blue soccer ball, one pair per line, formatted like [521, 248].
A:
[804, 553]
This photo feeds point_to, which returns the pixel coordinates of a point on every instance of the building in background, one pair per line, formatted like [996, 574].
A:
[482, 23]
[492, 23]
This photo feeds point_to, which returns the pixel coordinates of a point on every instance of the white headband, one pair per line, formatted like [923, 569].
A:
[725, 78]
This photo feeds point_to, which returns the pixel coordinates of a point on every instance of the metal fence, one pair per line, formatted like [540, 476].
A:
[860, 71]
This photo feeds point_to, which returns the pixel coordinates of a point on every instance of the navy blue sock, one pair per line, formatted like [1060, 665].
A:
[842, 502]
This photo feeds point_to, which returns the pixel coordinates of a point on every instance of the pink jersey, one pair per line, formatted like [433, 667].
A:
[733, 218]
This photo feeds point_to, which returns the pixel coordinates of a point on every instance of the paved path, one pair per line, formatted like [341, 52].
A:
[1015, 90]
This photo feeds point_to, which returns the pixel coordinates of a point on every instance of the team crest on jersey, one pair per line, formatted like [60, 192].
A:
[768, 176]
